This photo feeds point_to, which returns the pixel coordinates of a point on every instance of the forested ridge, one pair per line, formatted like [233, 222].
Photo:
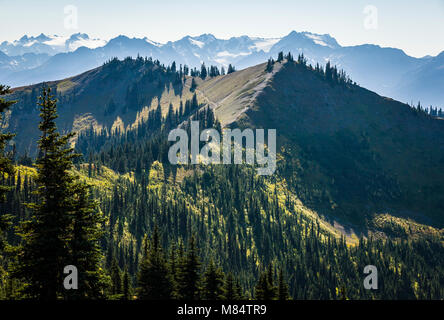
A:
[152, 230]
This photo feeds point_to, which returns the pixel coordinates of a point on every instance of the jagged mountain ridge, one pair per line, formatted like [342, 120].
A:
[49, 44]
[384, 70]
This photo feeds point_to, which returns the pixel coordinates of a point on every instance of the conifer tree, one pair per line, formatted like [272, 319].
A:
[126, 285]
[261, 289]
[269, 67]
[265, 289]
[238, 290]
[190, 280]
[213, 283]
[40, 268]
[116, 278]
[63, 228]
[302, 60]
[290, 57]
[86, 253]
[174, 269]
[154, 278]
[203, 71]
[282, 287]
[231, 69]
[328, 72]
[230, 288]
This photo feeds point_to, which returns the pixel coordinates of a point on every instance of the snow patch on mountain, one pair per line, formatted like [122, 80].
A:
[56, 41]
[232, 55]
[264, 44]
[82, 40]
[49, 44]
[198, 43]
[322, 40]
[157, 44]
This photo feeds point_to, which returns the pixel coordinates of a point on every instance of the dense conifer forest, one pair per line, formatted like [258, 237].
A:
[137, 227]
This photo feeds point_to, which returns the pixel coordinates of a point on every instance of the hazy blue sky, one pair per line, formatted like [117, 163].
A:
[415, 26]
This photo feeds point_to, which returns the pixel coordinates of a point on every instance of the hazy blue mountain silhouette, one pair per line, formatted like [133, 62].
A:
[388, 71]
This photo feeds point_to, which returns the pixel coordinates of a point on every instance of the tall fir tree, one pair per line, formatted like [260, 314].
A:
[154, 278]
[116, 279]
[40, 267]
[127, 288]
[203, 71]
[282, 287]
[86, 253]
[265, 288]
[213, 288]
[269, 67]
[190, 279]
[230, 288]
[63, 229]
[174, 268]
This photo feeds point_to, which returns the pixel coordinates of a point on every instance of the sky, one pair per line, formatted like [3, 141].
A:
[415, 26]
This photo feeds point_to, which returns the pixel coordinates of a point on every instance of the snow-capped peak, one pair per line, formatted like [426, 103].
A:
[324, 40]
[198, 43]
[83, 40]
[261, 44]
[49, 44]
[157, 44]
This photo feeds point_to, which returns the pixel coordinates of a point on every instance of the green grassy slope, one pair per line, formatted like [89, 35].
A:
[117, 94]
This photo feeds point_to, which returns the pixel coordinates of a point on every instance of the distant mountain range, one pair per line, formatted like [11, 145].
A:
[387, 71]
[49, 45]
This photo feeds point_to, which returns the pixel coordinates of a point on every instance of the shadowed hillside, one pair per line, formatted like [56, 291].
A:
[350, 151]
